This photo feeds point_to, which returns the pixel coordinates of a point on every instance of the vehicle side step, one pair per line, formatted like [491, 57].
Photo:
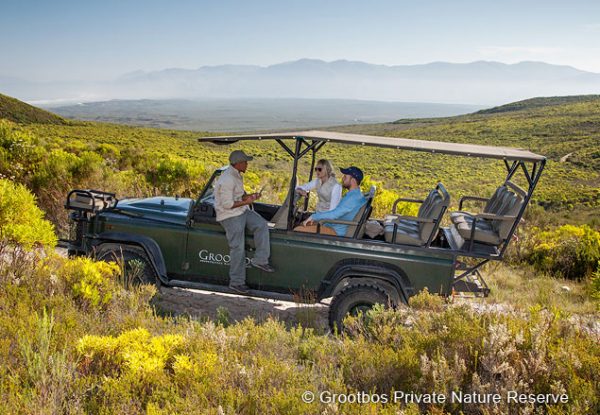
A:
[473, 288]
[470, 282]
[226, 290]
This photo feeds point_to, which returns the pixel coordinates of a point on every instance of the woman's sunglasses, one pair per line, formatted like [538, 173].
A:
[318, 168]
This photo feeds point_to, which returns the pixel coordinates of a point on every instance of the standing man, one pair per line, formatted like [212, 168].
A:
[345, 210]
[233, 213]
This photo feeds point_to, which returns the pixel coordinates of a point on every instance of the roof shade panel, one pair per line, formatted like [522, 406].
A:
[469, 150]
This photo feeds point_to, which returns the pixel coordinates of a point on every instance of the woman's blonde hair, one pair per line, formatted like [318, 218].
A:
[328, 167]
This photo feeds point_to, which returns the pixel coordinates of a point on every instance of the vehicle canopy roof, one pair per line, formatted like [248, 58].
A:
[461, 149]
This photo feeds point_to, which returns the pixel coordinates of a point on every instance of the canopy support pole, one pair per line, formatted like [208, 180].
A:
[292, 190]
[535, 178]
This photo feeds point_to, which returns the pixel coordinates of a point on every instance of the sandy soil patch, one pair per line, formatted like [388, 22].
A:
[204, 304]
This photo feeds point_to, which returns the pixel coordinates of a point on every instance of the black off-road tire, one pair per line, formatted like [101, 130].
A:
[126, 253]
[354, 299]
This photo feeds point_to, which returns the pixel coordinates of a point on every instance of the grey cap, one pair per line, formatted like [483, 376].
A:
[238, 156]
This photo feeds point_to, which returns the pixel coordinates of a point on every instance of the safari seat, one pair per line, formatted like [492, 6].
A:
[421, 229]
[360, 219]
[411, 223]
[492, 206]
[494, 224]
[280, 218]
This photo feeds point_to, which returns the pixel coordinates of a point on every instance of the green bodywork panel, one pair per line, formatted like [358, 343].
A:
[198, 251]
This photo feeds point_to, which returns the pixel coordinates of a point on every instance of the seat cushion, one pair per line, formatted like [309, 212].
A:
[464, 217]
[487, 236]
[457, 215]
[403, 223]
[402, 236]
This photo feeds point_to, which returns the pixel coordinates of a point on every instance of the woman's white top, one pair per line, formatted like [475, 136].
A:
[330, 193]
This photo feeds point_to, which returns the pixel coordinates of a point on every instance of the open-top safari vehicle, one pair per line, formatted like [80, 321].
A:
[181, 244]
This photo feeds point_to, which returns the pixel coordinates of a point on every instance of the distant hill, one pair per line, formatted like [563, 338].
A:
[483, 83]
[254, 114]
[18, 111]
[567, 134]
[539, 102]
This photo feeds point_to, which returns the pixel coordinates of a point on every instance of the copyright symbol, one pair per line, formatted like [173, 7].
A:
[308, 397]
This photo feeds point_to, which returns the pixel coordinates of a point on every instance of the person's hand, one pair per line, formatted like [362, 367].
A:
[308, 222]
[301, 192]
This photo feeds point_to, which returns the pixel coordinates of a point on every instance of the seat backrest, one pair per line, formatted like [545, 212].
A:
[510, 204]
[495, 200]
[438, 205]
[517, 189]
[281, 216]
[497, 204]
[426, 205]
[505, 226]
[425, 228]
[362, 215]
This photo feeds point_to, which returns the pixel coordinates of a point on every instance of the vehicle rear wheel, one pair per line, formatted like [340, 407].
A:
[356, 299]
[138, 268]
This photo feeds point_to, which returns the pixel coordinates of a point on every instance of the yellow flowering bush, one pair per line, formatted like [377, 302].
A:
[134, 352]
[21, 221]
[91, 281]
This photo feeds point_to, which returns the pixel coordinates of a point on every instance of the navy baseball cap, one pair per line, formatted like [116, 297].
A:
[354, 172]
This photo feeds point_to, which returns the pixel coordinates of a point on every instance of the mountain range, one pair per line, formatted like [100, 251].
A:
[481, 83]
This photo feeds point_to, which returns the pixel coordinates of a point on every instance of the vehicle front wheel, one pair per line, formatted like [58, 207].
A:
[137, 267]
[356, 299]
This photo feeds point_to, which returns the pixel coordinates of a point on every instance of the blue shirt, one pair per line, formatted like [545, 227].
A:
[346, 210]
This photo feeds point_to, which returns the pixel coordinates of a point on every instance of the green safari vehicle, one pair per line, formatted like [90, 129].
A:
[384, 260]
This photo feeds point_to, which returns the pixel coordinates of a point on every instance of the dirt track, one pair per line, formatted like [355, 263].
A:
[204, 304]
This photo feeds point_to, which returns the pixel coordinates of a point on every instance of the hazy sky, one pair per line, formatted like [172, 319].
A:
[68, 40]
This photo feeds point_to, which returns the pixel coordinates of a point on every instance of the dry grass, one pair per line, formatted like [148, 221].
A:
[523, 288]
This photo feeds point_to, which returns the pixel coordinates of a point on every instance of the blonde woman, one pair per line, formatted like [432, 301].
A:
[328, 189]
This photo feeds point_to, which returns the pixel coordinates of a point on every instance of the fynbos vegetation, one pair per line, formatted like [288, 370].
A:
[74, 340]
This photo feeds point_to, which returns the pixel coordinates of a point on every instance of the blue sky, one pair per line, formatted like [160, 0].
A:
[89, 40]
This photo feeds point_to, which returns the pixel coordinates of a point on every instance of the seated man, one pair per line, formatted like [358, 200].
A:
[345, 210]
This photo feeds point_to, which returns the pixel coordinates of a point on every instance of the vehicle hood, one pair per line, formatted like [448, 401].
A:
[160, 208]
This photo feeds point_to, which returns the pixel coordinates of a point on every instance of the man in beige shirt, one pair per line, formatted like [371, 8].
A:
[233, 213]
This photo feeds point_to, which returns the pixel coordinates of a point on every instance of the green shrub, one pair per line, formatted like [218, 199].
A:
[385, 198]
[18, 150]
[88, 168]
[56, 171]
[109, 152]
[569, 251]
[21, 221]
[168, 175]
[427, 301]
[594, 286]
